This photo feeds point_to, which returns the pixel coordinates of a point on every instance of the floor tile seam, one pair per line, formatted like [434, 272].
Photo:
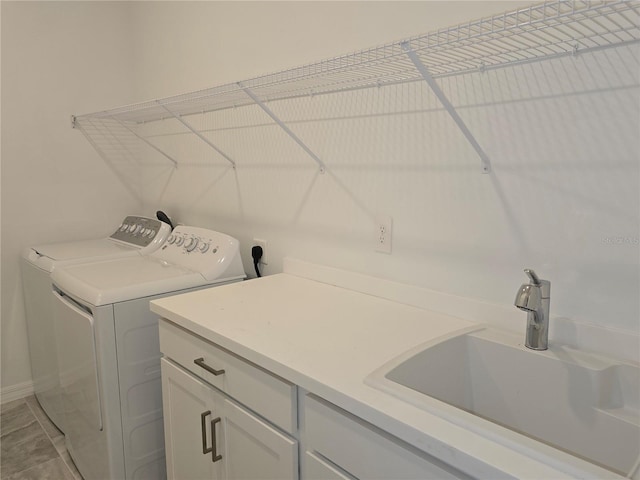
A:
[51, 440]
[4, 406]
[8, 412]
[71, 474]
[38, 465]
[21, 427]
[40, 423]
[60, 455]
[13, 410]
[67, 458]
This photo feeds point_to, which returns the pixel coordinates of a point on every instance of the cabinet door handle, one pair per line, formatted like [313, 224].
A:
[200, 363]
[214, 443]
[203, 425]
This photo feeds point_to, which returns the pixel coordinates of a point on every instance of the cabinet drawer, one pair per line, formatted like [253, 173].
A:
[316, 468]
[363, 450]
[264, 393]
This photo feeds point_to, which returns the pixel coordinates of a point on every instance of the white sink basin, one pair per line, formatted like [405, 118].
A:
[584, 404]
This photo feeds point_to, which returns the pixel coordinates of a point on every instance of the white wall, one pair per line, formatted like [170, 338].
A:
[58, 58]
[185, 46]
[562, 137]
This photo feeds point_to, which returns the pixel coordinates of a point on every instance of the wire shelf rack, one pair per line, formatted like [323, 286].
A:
[542, 31]
[539, 32]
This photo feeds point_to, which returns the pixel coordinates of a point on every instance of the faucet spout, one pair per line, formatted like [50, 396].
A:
[528, 297]
[534, 298]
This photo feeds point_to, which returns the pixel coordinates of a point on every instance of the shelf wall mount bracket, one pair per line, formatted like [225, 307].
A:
[197, 134]
[283, 126]
[424, 71]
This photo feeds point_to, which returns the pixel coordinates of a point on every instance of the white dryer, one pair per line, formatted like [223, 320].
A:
[109, 351]
[136, 235]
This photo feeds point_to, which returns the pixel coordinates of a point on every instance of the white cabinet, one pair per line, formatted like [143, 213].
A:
[186, 401]
[209, 434]
[340, 446]
[228, 418]
[254, 387]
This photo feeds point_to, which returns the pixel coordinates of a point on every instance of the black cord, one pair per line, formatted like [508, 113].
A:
[256, 253]
[163, 217]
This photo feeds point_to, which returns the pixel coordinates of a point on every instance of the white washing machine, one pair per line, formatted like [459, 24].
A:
[136, 235]
[109, 352]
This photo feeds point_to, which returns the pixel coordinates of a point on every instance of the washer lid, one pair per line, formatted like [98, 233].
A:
[135, 235]
[83, 249]
[118, 280]
[48, 256]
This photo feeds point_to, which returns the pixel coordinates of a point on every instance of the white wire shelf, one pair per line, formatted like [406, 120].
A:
[549, 30]
[542, 31]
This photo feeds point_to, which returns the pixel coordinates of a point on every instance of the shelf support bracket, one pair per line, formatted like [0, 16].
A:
[283, 126]
[197, 134]
[141, 138]
[424, 71]
[106, 159]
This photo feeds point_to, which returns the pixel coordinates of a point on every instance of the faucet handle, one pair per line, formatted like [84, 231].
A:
[532, 275]
[545, 285]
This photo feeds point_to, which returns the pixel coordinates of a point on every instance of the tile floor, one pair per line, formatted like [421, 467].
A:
[31, 447]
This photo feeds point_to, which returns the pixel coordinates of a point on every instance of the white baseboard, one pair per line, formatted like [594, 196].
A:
[15, 392]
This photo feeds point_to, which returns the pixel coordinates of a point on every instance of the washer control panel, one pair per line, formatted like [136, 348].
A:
[197, 249]
[140, 231]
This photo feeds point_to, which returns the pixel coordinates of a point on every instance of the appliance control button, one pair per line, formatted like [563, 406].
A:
[204, 247]
[132, 227]
[123, 227]
[151, 233]
[191, 244]
[171, 239]
[137, 230]
[179, 241]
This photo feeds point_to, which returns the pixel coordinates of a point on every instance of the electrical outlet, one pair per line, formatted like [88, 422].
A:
[382, 234]
[261, 243]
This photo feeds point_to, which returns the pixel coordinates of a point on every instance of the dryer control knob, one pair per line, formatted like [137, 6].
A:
[171, 239]
[179, 241]
[203, 247]
[191, 244]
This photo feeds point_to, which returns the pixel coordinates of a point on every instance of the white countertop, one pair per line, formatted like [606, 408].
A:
[327, 340]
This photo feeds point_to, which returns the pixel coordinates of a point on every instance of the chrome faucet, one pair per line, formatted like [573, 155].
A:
[534, 299]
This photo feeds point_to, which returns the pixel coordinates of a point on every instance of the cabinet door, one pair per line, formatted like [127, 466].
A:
[187, 426]
[209, 436]
[254, 449]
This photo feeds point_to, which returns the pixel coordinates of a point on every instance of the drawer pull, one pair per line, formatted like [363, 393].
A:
[214, 444]
[203, 425]
[200, 363]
